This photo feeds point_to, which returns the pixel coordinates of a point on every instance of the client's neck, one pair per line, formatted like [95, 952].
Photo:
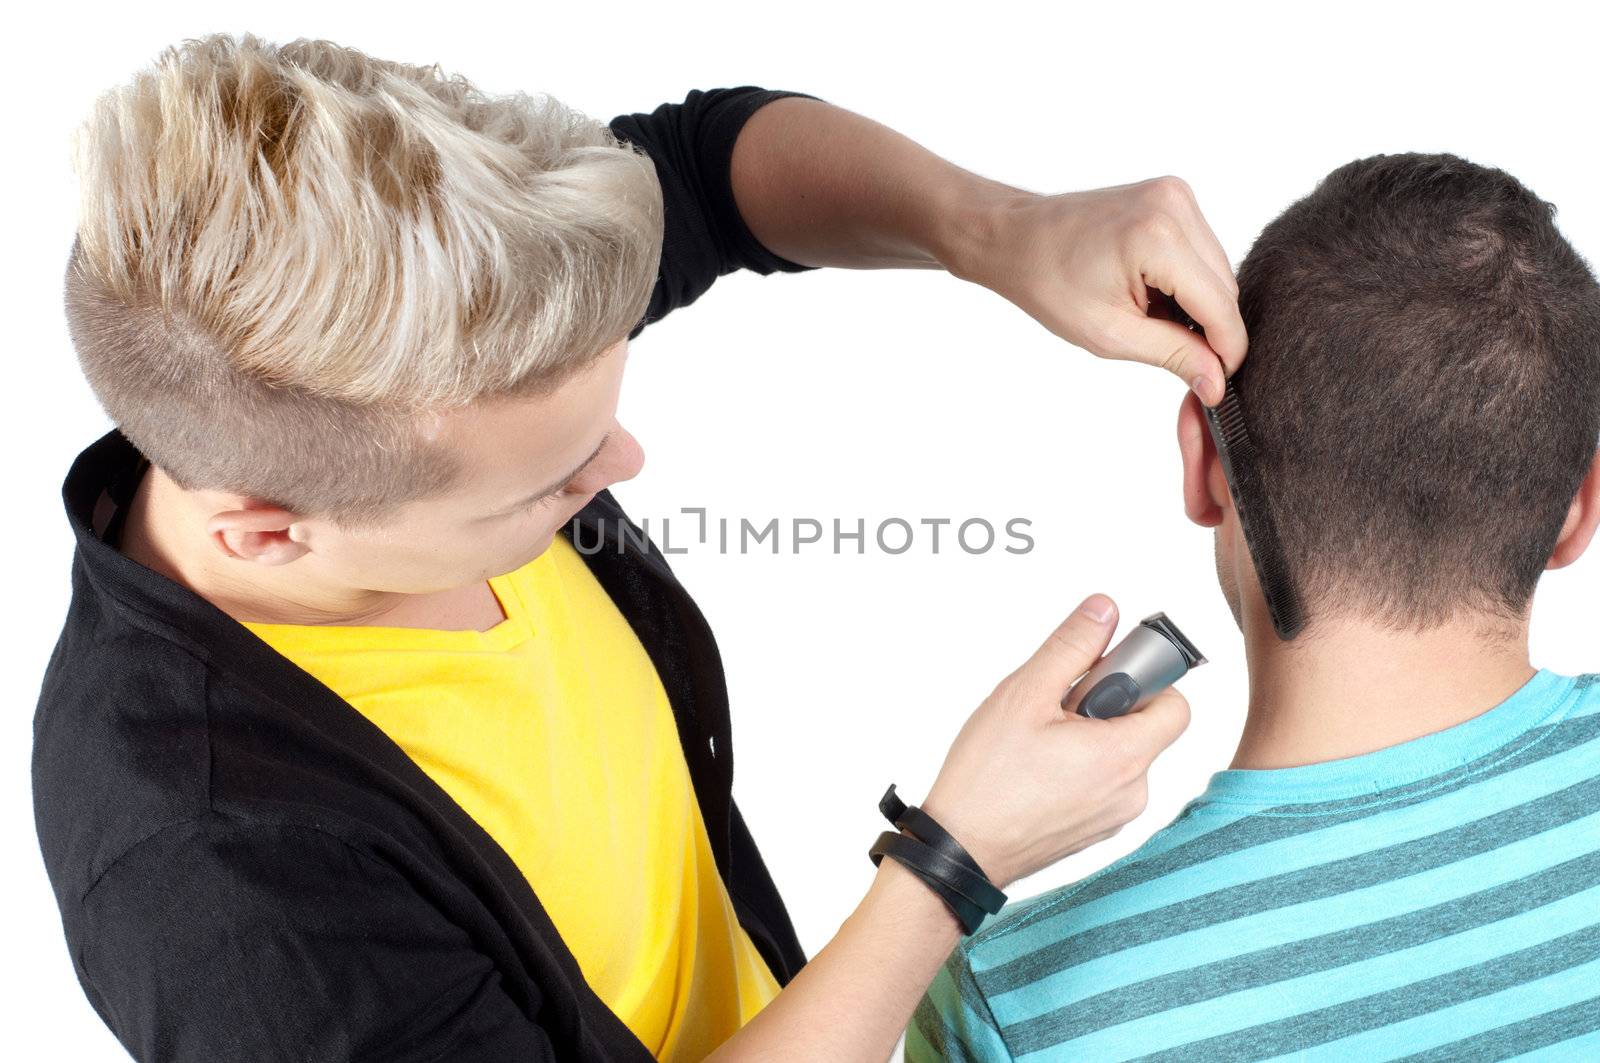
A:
[1347, 688]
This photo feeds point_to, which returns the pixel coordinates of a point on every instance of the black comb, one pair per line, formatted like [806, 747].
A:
[1238, 453]
[1239, 466]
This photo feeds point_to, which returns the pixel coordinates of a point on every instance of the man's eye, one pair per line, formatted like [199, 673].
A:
[539, 503]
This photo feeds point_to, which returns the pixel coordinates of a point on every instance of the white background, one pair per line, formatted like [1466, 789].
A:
[849, 394]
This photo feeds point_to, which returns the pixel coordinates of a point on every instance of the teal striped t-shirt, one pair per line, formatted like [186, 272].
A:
[1435, 900]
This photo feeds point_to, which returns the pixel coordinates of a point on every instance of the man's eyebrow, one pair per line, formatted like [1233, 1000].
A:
[559, 484]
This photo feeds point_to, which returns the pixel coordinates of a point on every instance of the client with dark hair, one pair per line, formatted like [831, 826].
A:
[1403, 859]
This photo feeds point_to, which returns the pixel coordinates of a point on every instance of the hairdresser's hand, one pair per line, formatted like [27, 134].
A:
[1026, 783]
[1083, 264]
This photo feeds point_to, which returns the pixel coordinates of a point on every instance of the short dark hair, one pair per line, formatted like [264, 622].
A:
[1424, 383]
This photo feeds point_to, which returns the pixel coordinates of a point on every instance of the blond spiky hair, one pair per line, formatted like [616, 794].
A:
[287, 254]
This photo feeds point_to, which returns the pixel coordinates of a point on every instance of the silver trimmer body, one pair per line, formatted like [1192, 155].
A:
[1151, 658]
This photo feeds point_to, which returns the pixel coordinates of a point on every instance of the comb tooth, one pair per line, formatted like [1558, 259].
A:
[1230, 420]
[1228, 412]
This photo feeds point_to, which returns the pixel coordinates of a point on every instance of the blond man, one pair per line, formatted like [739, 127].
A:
[347, 750]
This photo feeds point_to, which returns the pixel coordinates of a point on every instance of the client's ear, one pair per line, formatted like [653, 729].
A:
[1582, 518]
[1202, 469]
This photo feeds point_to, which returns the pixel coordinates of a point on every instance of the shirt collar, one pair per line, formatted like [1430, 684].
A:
[1541, 701]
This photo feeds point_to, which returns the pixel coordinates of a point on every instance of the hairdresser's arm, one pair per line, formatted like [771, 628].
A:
[1024, 785]
[823, 186]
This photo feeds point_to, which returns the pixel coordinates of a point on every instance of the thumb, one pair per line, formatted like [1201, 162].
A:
[1183, 353]
[1070, 650]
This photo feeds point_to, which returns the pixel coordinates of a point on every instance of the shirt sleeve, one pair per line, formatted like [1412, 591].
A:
[216, 940]
[953, 1021]
[691, 144]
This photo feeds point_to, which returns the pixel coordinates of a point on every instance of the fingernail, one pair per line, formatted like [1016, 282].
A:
[1202, 388]
[1097, 607]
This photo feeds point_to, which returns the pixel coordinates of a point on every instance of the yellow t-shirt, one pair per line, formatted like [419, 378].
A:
[553, 731]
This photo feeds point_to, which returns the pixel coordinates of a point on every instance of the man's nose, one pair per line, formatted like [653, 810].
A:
[621, 460]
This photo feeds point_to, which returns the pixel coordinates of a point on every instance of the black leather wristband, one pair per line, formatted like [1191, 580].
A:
[930, 867]
[939, 860]
[914, 821]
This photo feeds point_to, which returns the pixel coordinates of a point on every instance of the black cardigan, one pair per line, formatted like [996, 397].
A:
[248, 869]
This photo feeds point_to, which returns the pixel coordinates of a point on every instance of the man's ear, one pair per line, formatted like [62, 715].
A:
[263, 533]
[1199, 453]
[1582, 518]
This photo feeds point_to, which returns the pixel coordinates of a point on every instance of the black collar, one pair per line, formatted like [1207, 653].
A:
[97, 493]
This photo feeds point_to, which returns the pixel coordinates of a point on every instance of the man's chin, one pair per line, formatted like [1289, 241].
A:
[544, 542]
[539, 549]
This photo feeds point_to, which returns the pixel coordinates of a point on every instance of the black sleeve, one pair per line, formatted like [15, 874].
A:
[691, 144]
[217, 940]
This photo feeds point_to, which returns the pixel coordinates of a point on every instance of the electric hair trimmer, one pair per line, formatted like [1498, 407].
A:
[1151, 658]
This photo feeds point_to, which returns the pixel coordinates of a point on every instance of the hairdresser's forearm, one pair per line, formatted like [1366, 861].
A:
[853, 999]
[823, 186]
